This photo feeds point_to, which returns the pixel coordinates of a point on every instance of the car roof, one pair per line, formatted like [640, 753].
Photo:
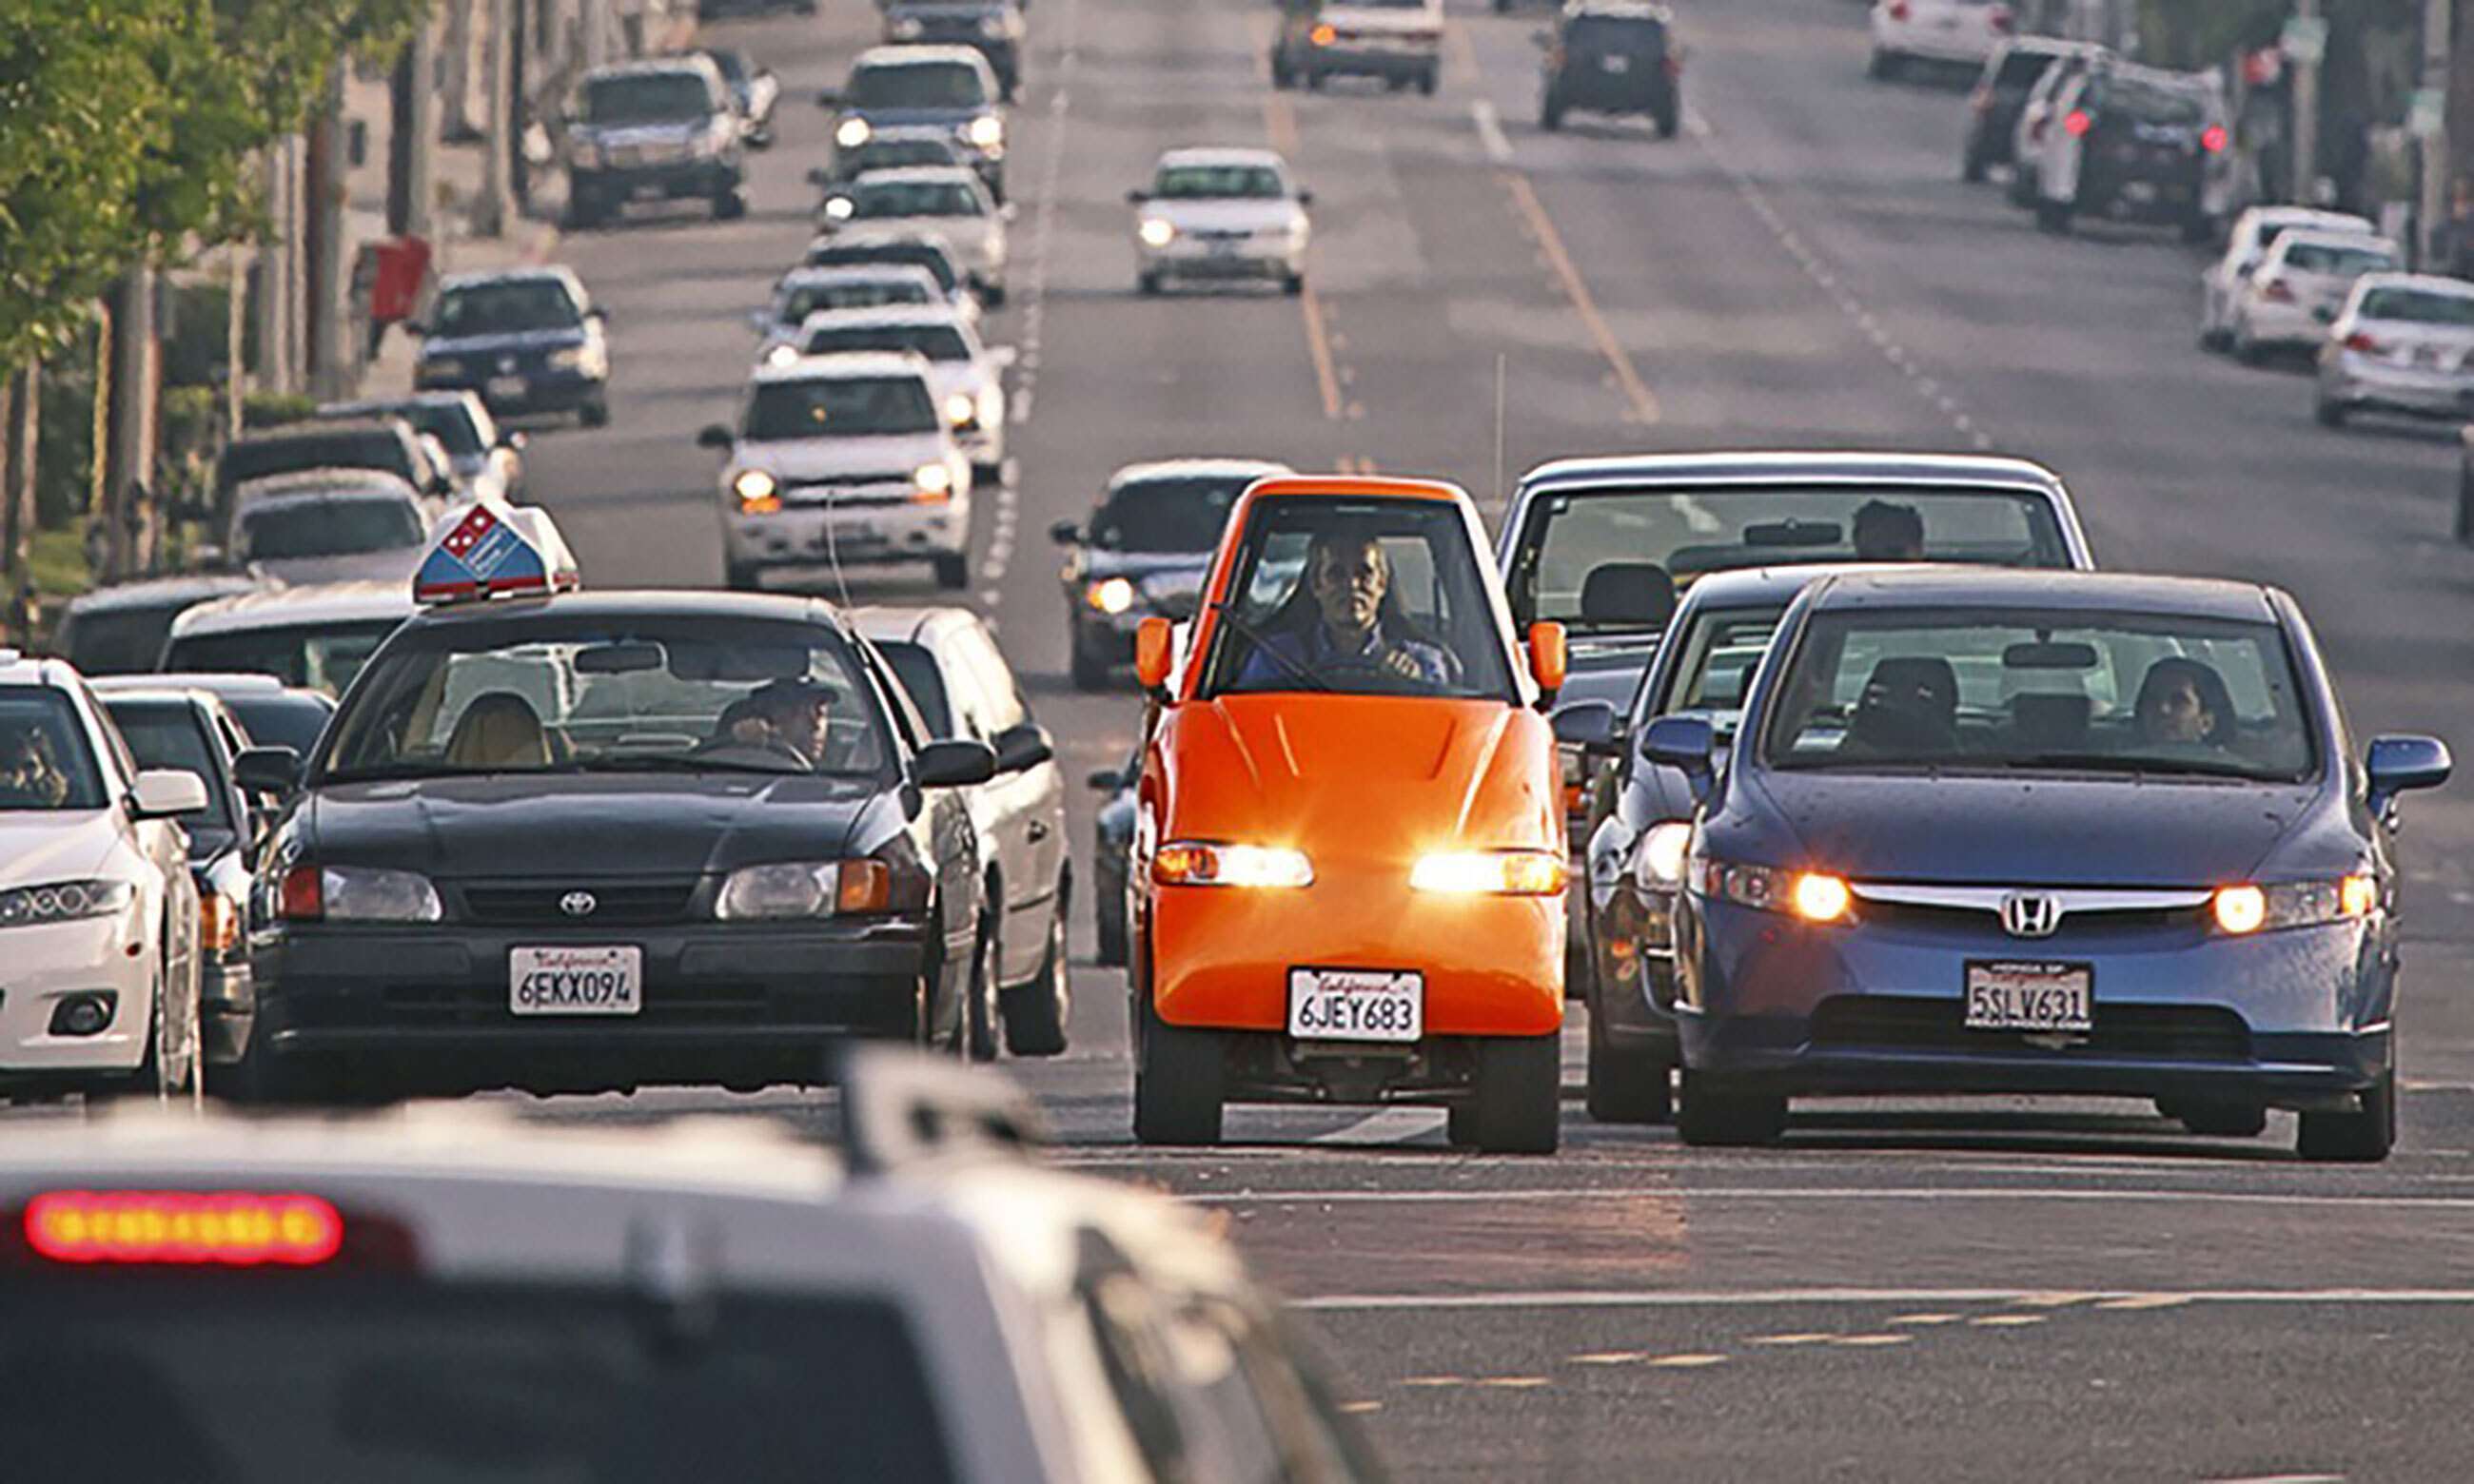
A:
[1964, 587]
[325, 427]
[2291, 216]
[311, 603]
[22, 669]
[386, 406]
[167, 691]
[651, 66]
[637, 603]
[215, 683]
[1207, 156]
[2428, 282]
[1345, 487]
[148, 592]
[1731, 586]
[2332, 237]
[1198, 467]
[1619, 10]
[1777, 466]
[842, 365]
[912, 55]
[335, 479]
[337, 492]
[552, 273]
[840, 272]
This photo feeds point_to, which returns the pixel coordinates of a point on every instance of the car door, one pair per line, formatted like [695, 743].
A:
[1027, 805]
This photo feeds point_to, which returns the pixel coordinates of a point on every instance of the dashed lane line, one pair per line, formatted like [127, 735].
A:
[1635, 391]
[1490, 132]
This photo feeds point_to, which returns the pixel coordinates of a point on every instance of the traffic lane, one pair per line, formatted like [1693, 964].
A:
[1903, 1388]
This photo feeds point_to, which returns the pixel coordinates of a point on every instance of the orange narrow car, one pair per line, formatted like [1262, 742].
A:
[1348, 853]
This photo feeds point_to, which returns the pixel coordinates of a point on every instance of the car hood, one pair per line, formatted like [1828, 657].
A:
[811, 458]
[1320, 770]
[486, 344]
[947, 377]
[1225, 216]
[914, 118]
[45, 846]
[599, 826]
[1972, 830]
[967, 236]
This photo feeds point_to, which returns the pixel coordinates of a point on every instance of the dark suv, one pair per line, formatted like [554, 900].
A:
[2136, 144]
[2010, 74]
[1606, 57]
[660, 130]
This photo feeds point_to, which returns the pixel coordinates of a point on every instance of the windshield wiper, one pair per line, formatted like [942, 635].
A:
[387, 773]
[1262, 646]
[677, 762]
[2131, 764]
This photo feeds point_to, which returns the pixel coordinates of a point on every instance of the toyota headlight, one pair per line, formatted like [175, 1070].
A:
[852, 133]
[961, 410]
[2250, 909]
[1660, 856]
[804, 888]
[1155, 232]
[63, 901]
[758, 493]
[1206, 863]
[987, 131]
[357, 894]
[1491, 874]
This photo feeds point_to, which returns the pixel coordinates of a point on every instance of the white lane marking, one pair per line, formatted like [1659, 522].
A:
[1847, 1298]
[2284, 1478]
[1390, 1126]
[1924, 1193]
[1490, 132]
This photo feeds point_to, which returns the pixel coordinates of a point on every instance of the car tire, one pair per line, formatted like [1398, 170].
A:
[579, 215]
[1036, 1013]
[1178, 1076]
[2330, 414]
[1293, 284]
[978, 1040]
[1715, 1113]
[595, 414]
[1668, 122]
[1147, 284]
[2364, 1137]
[2052, 216]
[729, 206]
[1428, 80]
[987, 476]
[1883, 65]
[1519, 1094]
[953, 571]
[2215, 1118]
[1459, 1125]
[1626, 1087]
[1971, 166]
[1283, 77]
[993, 296]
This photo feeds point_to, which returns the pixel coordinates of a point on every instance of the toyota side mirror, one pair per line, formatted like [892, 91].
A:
[2400, 764]
[1022, 747]
[713, 434]
[957, 764]
[1587, 725]
[267, 770]
[1065, 533]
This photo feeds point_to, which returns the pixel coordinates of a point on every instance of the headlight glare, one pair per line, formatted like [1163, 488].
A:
[1155, 232]
[987, 130]
[1820, 897]
[1814, 895]
[931, 482]
[63, 901]
[1111, 595]
[1492, 873]
[2250, 908]
[1204, 863]
[961, 410]
[840, 208]
[1660, 858]
[852, 133]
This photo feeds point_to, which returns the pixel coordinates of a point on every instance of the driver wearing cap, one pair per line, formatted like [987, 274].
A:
[793, 713]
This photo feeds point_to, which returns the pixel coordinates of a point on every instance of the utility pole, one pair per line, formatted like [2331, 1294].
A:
[2430, 118]
[491, 212]
[412, 134]
[2306, 42]
[330, 349]
[25, 422]
[458, 82]
[129, 462]
[275, 292]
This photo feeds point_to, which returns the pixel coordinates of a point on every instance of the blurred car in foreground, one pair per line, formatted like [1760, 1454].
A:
[1144, 551]
[120, 630]
[2296, 292]
[2246, 243]
[711, 1299]
[2046, 834]
[2404, 342]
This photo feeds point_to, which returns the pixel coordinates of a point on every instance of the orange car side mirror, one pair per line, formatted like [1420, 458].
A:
[1548, 661]
[1152, 653]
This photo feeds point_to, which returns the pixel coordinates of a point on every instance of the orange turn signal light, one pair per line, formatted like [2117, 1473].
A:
[864, 886]
[1323, 35]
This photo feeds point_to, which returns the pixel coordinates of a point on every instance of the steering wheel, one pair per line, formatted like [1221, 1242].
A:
[1353, 667]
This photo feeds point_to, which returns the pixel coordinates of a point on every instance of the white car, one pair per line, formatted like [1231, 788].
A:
[331, 526]
[842, 461]
[2404, 342]
[1221, 214]
[99, 915]
[2253, 233]
[2294, 295]
[315, 637]
[949, 201]
[806, 291]
[967, 376]
[1953, 32]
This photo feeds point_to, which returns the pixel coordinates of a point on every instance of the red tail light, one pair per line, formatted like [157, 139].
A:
[2077, 123]
[303, 896]
[230, 1228]
[1898, 10]
[2275, 291]
[2362, 343]
[1674, 66]
[2001, 20]
[2214, 138]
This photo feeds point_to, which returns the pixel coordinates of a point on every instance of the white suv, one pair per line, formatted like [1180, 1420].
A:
[843, 461]
[98, 911]
[1955, 32]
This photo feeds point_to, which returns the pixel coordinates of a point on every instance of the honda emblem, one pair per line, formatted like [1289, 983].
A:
[2030, 914]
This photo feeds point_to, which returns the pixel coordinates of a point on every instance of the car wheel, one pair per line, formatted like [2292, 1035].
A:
[595, 414]
[1293, 284]
[2331, 414]
[1428, 80]
[953, 571]
[1035, 1014]
[2053, 216]
[2364, 1137]
[993, 296]
[1178, 1075]
[1668, 123]
[1519, 1090]
[1147, 284]
[1716, 1113]
[2217, 1119]
[1459, 1125]
[1626, 1087]
[1110, 922]
[977, 1042]
[729, 206]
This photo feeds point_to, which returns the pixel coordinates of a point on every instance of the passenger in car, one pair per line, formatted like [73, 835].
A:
[2183, 703]
[1886, 530]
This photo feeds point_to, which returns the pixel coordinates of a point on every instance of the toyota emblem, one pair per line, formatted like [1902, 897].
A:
[579, 904]
[2031, 914]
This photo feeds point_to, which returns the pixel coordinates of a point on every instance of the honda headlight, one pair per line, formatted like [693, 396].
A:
[1207, 863]
[1492, 873]
[2250, 909]
[804, 888]
[1155, 232]
[63, 901]
[1814, 895]
[852, 133]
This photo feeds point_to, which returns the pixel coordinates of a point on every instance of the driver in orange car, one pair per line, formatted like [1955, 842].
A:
[1349, 856]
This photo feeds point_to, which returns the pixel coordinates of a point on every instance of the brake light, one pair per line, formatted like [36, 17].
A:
[302, 896]
[2214, 138]
[2077, 123]
[218, 923]
[2362, 343]
[227, 1229]
[2275, 291]
[1898, 10]
[2000, 19]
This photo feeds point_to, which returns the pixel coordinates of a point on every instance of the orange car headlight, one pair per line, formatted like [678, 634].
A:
[1492, 873]
[1209, 862]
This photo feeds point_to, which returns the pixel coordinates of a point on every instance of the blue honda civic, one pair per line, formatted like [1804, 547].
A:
[2052, 834]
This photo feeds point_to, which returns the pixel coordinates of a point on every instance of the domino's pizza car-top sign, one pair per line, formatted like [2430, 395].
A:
[487, 550]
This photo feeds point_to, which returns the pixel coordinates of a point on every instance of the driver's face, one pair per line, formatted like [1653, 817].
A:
[803, 726]
[1350, 580]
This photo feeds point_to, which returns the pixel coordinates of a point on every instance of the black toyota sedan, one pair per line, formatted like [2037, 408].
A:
[597, 841]
[1144, 552]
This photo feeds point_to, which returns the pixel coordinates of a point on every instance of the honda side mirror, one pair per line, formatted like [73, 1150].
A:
[1680, 742]
[2400, 764]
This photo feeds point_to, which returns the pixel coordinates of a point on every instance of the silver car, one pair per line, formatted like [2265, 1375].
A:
[1220, 214]
[967, 375]
[2404, 342]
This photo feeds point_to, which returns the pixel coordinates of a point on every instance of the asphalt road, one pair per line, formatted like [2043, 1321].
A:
[1946, 1291]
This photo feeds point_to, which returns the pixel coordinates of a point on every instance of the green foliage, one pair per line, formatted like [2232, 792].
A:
[274, 409]
[2201, 32]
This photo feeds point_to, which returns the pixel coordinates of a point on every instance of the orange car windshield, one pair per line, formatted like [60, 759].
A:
[1368, 597]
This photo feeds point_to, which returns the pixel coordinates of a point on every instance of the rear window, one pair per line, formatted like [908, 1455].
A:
[2418, 306]
[117, 642]
[2320, 257]
[1167, 515]
[876, 200]
[2148, 104]
[1600, 33]
[936, 341]
[281, 720]
[797, 303]
[920, 254]
[321, 657]
[228, 1380]
[297, 530]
